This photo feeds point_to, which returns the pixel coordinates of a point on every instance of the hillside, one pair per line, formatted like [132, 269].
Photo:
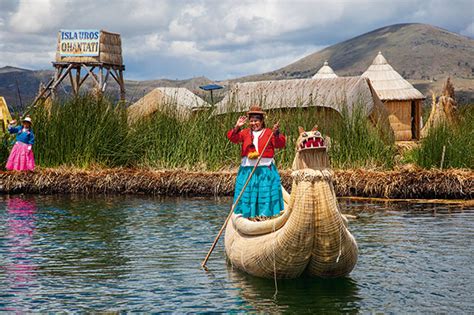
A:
[27, 82]
[416, 51]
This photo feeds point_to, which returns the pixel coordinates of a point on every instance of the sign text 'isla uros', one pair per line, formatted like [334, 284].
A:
[79, 42]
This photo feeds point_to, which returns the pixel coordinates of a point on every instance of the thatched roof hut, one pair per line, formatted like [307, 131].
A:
[332, 93]
[325, 72]
[176, 101]
[402, 101]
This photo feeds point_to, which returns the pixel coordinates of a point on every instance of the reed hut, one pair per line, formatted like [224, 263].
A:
[332, 94]
[169, 100]
[325, 72]
[402, 101]
[5, 115]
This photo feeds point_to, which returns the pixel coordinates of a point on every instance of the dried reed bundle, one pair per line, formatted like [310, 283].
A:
[403, 184]
[406, 184]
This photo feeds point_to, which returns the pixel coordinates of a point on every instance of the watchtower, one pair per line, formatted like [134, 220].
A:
[81, 54]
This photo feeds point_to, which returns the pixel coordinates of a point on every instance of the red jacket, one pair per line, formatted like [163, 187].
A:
[245, 137]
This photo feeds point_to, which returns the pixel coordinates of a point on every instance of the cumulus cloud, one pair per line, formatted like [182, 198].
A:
[218, 39]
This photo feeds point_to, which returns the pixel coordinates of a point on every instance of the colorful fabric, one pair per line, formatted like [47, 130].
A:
[245, 137]
[262, 196]
[23, 135]
[21, 158]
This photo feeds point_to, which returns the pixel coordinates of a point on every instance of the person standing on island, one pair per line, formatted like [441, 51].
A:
[21, 157]
[263, 195]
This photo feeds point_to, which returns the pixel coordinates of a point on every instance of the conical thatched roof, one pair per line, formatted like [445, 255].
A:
[325, 72]
[333, 93]
[179, 101]
[388, 84]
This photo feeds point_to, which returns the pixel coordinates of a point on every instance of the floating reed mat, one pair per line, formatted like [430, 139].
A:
[400, 184]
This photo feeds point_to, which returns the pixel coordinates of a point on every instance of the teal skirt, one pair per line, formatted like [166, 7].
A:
[262, 196]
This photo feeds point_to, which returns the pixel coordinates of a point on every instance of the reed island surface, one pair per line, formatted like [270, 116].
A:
[397, 184]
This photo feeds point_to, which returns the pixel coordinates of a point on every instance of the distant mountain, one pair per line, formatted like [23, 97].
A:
[20, 86]
[416, 51]
[423, 54]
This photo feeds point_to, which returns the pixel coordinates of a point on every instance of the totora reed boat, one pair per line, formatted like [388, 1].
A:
[310, 236]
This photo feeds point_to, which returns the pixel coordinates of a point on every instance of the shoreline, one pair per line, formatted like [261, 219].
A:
[398, 184]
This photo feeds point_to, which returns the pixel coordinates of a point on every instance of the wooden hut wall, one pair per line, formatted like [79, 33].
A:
[400, 118]
[110, 51]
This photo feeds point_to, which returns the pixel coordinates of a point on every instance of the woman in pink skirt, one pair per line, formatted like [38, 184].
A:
[21, 158]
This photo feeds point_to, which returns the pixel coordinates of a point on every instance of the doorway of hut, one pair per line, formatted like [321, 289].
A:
[413, 121]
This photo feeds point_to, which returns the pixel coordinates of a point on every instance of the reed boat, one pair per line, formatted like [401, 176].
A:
[310, 236]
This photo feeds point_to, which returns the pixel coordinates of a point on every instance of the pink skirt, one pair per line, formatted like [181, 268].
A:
[21, 159]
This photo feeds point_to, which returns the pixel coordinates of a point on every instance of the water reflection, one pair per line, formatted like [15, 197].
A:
[304, 295]
[85, 234]
[21, 227]
[20, 267]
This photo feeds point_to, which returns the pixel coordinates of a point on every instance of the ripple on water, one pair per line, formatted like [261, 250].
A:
[122, 253]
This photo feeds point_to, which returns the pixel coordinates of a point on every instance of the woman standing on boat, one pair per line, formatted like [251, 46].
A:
[263, 195]
[21, 157]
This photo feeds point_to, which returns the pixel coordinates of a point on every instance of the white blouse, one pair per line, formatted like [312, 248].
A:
[263, 161]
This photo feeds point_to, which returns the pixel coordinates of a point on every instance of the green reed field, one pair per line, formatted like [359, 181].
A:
[457, 140]
[87, 132]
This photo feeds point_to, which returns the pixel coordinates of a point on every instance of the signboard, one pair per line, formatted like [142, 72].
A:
[79, 43]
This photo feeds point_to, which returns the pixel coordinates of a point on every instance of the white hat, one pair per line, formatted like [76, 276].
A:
[27, 119]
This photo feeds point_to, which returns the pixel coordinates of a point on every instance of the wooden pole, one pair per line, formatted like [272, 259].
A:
[203, 265]
[73, 84]
[122, 85]
[442, 156]
[78, 78]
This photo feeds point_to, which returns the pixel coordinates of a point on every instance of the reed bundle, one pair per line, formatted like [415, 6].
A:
[404, 184]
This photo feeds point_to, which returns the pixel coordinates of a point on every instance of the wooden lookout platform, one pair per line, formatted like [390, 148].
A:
[83, 54]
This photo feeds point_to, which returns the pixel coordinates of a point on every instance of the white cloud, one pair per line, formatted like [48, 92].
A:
[219, 39]
[36, 16]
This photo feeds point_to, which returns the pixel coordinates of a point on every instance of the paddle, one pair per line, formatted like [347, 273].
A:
[203, 265]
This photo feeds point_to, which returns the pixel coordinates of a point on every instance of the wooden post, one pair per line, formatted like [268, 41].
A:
[73, 84]
[442, 156]
[104, 85]
[78, 79]
[122, 86]
[57, 74]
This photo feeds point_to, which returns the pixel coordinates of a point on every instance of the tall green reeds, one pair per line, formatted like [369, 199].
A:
[201, 143]
[82, 132]
[87, 131]
[358, 143]
[456, 139]
[198, 142]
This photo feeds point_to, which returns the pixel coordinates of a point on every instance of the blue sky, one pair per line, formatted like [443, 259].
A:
[218, 39]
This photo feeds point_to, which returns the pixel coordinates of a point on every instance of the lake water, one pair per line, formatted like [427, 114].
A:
[133, 253]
